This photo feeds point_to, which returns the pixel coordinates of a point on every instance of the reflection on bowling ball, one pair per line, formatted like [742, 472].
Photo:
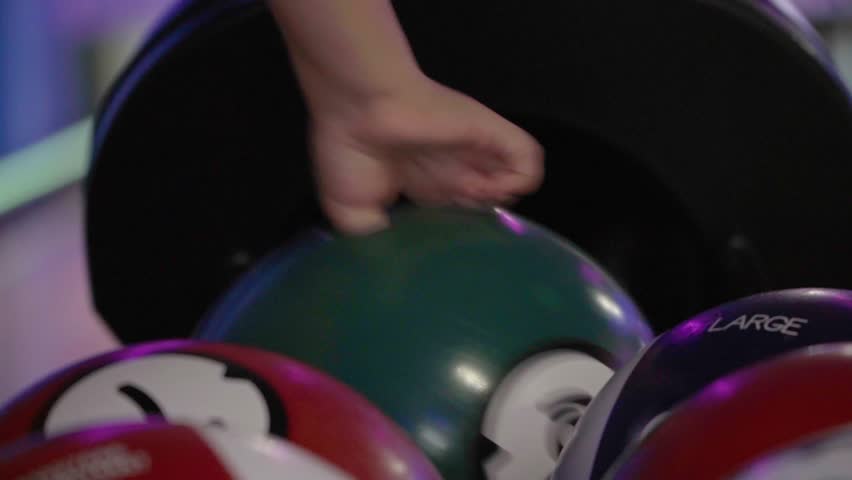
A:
[238, 388]
[694, 354]
[824, 457]
[746, 415]
[482, 334]
[161, 451]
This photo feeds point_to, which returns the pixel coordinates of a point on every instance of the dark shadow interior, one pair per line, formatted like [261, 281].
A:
[609, 204]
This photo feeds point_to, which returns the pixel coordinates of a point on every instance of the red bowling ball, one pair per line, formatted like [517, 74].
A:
[239, 388]
[827, 456]
[745, 416]
[161, 451]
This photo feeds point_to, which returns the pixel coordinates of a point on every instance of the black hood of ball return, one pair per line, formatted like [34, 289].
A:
[699, 150]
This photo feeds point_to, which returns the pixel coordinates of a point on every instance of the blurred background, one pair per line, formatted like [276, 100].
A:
[57, 57]
[57, 60]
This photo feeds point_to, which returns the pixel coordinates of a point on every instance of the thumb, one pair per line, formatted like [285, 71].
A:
[354, 187]
[356, 219]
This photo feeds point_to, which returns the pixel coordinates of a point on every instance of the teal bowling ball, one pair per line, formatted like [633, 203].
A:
[482, 334]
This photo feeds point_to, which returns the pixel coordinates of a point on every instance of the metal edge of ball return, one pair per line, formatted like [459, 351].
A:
[190, 11]
[182, 17]
[176, 25]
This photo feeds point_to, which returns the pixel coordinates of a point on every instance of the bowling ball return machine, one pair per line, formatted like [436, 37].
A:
[697, 149]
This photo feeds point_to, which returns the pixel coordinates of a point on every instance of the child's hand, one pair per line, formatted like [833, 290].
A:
[426, 141]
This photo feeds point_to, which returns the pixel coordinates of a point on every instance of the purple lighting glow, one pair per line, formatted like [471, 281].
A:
[162, 346]
[687, 330]
[105, 432]
[298, 373]
[592, 274]
[85, 19]
[511, 221]
[722, 389]
[841, 297]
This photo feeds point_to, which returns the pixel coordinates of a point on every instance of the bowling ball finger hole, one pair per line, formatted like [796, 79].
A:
[564, 415]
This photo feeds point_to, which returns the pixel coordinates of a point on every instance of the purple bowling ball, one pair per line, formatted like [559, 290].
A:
[692, 355]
